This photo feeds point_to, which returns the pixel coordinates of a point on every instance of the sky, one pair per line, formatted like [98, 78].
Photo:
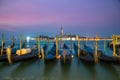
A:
[83, 17]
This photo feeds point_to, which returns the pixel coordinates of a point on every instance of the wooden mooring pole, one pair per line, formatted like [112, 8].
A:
[56, 39]
[96, 49]
[12, 42]
[20, 44]
[114, 48]
[25, 43]
[71, 41]
[105, 46]
[2, 44]
[8, 50]
[43, 56]
[38, 43]
[78, 47]
[48, 41]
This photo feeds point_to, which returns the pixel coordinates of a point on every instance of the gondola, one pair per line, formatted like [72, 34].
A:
[24, 54]
[66, 54]
[15, 57]
[3, 57]
[76, 50]
[50, 55]
[102, 57]
[84, 56]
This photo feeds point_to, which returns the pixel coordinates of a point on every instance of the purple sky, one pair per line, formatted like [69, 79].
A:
[84, 17]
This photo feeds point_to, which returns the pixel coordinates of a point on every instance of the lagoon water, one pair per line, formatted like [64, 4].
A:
[37, 70]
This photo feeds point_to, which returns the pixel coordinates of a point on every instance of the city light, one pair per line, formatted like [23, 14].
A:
[28, 38]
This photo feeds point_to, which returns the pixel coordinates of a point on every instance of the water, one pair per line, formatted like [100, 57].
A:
[37, 70]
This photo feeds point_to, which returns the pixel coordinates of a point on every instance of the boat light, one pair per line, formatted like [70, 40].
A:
[72, 56]
[59, 56]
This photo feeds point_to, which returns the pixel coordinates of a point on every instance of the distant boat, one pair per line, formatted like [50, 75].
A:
[84, 55]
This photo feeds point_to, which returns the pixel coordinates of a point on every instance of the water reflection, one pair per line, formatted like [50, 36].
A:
[48, 69]
[22, 69]
[110, 70]
[91, 70]
[51, 71]
[37, 70]
[3, 65]
[6, 69]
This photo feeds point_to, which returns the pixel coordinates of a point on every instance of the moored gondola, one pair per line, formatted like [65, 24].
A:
[103, 57]
[32, 53]
[66, 54]
[3, 56]
[24, 53]
[84, 56]
[49, 55]
[75, 47]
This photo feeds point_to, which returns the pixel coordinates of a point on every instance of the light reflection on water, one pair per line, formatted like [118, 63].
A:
[37, 70]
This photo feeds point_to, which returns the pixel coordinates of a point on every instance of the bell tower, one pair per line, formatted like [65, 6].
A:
[61, 31]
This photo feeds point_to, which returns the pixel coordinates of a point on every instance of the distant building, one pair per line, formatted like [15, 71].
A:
[64, 36]
[61, 31]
